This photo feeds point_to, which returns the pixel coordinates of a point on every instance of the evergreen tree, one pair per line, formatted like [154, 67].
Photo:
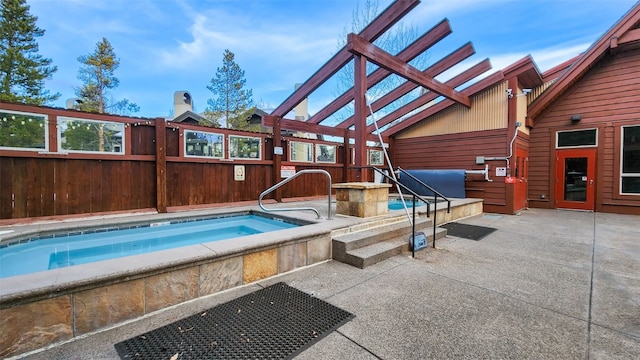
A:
[232, 103]
[97, 76]
[22, 70]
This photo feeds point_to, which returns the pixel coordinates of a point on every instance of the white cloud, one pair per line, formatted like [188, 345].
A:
[212, 32]
[550, 57]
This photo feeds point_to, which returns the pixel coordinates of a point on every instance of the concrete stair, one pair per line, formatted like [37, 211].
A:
[380, 241]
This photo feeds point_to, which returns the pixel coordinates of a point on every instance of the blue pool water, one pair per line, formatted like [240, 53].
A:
[396, 204]
[81, 248]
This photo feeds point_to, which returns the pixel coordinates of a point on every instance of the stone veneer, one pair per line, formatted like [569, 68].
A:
[29, 325]
[362, 199]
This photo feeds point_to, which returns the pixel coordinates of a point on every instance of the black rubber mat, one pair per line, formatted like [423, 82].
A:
[277, 322]
[471, 232]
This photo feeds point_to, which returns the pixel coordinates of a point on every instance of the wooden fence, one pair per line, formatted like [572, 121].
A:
[152, 171]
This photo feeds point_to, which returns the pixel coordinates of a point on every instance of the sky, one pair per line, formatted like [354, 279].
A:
[166, 46]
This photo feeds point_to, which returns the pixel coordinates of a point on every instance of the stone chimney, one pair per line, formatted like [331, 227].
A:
[302, 110]
[182, 103]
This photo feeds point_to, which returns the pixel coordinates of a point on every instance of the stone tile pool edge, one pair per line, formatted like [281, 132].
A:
[53, 306]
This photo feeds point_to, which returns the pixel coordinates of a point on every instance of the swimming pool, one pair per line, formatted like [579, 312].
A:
[80, 247]
[396, 204]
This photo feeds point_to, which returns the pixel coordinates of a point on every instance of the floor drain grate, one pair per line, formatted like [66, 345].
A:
[277, 322]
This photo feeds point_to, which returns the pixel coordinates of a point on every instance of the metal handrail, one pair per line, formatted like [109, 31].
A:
[306, 171]
[435, 202]
[413, 222]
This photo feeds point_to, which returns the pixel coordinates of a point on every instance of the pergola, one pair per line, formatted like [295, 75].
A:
[360, 49]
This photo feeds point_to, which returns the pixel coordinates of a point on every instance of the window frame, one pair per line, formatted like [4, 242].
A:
[221, 142]
[621, 172]
[576, 146]
[230, 147]
[45, 126]
[318, 151]
[310, 152]
[370, 152]
[62, 119]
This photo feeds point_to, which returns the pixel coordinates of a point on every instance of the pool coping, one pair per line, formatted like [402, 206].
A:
[15, 290]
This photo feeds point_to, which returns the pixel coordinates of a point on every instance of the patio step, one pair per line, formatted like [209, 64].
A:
[372, 245]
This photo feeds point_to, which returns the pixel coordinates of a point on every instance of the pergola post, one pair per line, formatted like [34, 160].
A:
[161, 165]
[277, 159]
[360, 116]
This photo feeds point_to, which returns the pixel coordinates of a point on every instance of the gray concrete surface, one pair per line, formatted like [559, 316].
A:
[549, 284]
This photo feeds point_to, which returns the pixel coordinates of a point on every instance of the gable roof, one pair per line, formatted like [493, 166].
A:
[624, 33]
[189, 117]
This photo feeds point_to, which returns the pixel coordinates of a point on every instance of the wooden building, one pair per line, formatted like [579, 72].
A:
[567, 138]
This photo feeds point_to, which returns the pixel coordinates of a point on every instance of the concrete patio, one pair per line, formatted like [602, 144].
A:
[547, 284]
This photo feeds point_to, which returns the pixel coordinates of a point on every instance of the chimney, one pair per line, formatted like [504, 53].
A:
[302, 110]
[72, 103]
[181, 103]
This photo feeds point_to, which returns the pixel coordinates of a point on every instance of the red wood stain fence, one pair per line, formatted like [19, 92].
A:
[50, 182]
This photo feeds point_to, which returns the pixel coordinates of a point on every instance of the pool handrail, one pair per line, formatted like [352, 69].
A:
[306, 171]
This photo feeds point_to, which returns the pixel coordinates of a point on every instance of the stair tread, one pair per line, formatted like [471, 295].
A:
[377, 248]
[375, 241]
[373, 231]
[383, 246]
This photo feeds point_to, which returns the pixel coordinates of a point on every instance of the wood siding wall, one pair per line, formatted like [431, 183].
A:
[48, 183]
[459, 151]
[607, 97]
[488, 112]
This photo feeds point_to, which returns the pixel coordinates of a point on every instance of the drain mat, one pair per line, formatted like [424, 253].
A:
[471, 232]
[277, 322]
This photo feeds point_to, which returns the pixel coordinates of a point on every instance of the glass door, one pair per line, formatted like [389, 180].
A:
[575, 179]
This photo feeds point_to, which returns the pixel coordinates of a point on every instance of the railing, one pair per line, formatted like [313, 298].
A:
[436, 194]
[416, 195]
[307, 171]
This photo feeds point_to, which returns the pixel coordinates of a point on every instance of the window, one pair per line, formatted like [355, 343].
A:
[376, 157]
[23, 131]
[203, 144]
[245, 147]
[79, 135]
[301, 151]
[577, 138]
[325, 153]
[630, 161]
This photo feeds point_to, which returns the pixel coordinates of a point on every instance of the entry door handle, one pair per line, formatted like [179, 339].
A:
[591, 183]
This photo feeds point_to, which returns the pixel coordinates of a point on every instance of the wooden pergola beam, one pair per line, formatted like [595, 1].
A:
[471, 90]
[295, 125]
[436, 69]
[358, 45]
[375, 29]
[430, 38]
[456, 81]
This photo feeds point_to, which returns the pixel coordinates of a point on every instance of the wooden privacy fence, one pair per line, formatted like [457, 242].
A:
[71, 162]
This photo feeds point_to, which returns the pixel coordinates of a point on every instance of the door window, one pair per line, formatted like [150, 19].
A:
[575, 179]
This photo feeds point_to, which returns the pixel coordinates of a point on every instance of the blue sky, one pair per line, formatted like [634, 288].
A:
[170, 45]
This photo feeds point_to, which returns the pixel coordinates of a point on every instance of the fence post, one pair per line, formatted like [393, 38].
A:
[161, 165]
[277, 159]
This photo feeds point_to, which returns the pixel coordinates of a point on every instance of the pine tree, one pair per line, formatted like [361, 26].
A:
[232, 103]
[22, 70]
[97, 76]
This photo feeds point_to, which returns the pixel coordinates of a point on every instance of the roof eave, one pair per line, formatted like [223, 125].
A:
[585, 62]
